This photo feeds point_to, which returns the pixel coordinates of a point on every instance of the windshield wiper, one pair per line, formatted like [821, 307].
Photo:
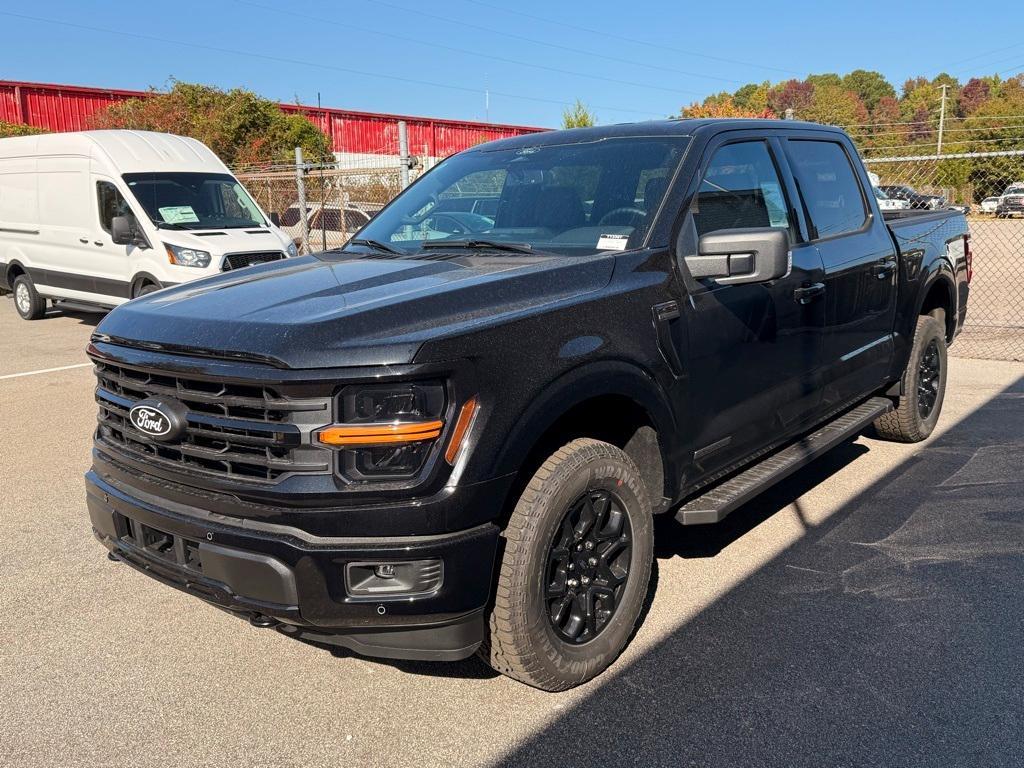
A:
[169, 225]
[377, 245]
[494, 245]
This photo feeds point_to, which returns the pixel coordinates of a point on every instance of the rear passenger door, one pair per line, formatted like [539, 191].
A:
[860, 263]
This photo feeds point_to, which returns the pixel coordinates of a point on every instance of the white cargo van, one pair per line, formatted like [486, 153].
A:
[100, 217]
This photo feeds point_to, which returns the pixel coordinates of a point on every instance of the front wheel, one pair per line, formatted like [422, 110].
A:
[924, 385]
[28, 302]
[575, 571]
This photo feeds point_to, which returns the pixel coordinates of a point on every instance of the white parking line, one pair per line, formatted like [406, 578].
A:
[45, 370]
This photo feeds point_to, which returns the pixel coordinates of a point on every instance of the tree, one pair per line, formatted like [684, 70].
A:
[18, 129]
[870, 86]
[974, 93]
[239, 126]
[578, 116]
[792, 94]
[833, 105]
[723, 107]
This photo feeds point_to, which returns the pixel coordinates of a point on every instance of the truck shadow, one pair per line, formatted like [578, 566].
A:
[889, 634]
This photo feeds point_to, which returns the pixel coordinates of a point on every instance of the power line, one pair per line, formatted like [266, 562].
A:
[465, 51]
[305, 63]
[621, 38]
[603, 55]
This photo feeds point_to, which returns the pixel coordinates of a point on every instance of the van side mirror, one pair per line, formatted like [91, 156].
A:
[123, 230]
[734, 256]
[275, 218]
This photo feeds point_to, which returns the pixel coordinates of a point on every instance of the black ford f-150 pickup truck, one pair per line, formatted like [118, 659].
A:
[451, 436]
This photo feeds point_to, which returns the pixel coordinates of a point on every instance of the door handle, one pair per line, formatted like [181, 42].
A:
[884, 269]
[83, 239]
[808, 293]
[98, 242]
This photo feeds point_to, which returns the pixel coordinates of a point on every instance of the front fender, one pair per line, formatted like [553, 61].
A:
[588, 381]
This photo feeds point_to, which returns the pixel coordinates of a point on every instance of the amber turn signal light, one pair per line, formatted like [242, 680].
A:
[462, 425]
[380, 434]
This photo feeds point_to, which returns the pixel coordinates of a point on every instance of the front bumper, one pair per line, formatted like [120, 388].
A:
[281, 576]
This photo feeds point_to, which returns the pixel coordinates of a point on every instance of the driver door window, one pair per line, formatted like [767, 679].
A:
[740, 190]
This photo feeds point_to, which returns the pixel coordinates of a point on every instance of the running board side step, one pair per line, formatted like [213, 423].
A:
[717, 502]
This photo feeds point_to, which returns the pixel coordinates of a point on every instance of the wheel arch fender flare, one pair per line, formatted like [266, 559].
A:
[142, 277]
[602, 378]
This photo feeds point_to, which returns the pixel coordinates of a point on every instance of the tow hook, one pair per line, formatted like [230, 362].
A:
[261, 621]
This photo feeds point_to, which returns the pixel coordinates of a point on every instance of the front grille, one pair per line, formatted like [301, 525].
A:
[239, 260]
[235, 431]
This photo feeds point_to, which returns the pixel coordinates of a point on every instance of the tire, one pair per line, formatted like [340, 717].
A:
[146, 288]
[917, 413]
[28, 302]
[524, 642]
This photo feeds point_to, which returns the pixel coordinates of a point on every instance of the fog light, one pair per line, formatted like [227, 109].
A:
[394, 579]
[385, 571]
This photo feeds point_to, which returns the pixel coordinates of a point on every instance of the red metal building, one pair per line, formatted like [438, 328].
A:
[68, 107]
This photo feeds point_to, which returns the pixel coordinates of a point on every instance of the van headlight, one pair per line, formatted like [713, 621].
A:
[292, 250]
[187, 257]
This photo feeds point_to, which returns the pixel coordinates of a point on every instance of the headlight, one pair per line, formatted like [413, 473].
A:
[187, 257]
[386, 431]
[292, 250]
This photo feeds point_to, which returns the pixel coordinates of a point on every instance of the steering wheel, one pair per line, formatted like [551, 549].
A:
[633, 217]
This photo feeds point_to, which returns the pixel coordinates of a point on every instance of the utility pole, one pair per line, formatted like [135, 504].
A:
[403, 154]
[942, 119]
[300, 184]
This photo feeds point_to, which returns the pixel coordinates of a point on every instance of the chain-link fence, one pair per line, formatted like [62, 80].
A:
[338, 200]
[990, 185]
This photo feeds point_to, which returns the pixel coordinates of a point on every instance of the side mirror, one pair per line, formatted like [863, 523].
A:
[275, 218]
[733, 256]
[123, 230]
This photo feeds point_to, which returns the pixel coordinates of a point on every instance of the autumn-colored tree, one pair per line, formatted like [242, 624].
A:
[792, 94]
[239, 126]
[18, 129]
[870, 86]
[975, 93]
[724, 108]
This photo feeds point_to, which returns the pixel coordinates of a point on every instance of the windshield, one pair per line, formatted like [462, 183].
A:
[571, 199]
[194, 200]
[880, 194]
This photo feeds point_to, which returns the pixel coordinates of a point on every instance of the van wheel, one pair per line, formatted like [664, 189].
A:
[575, 571]
[924, 385]
[144, 289]
[28, 302]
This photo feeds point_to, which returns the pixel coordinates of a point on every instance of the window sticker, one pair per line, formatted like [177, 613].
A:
[178, 214]
[776, 204]
[612, 242]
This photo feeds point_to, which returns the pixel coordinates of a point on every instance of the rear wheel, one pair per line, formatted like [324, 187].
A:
[28, 302]
[575, 571]
[924, 385]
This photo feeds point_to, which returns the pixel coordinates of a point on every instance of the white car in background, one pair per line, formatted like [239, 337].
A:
[329, 226]
[887, 203]
[990, 204]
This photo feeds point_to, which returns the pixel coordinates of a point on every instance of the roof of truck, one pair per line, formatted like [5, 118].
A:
[128, 151]
[673, 127]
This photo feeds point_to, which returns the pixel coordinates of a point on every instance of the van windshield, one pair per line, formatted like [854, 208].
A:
[570, 199]
[194, 200]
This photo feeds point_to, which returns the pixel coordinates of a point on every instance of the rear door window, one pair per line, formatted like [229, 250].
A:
[828, 185]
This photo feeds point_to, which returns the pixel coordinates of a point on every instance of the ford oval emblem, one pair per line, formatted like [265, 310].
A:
[159, 418]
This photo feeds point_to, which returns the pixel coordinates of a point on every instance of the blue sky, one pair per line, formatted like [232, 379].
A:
[627, 60]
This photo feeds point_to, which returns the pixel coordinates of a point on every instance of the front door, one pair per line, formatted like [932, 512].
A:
[753, 355]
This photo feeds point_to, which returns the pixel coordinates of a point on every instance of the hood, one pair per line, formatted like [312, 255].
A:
[337, 309]
[221, 241]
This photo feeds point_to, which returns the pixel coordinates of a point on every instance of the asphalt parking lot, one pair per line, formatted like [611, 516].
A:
[868, 611]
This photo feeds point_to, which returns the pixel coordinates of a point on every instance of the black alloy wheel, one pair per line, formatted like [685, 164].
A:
[928, 377]
[588, 565]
